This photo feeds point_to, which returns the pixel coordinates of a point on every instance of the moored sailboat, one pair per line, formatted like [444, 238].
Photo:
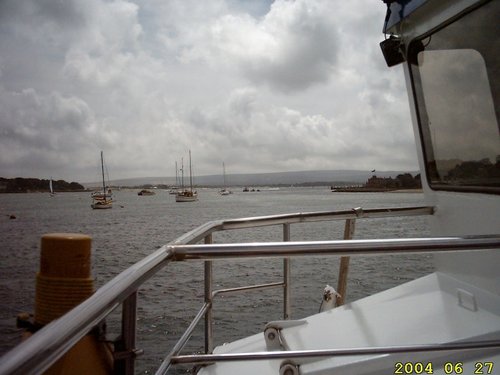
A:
[224, 190]
[187, 195]
[175, 189]
[102, 199]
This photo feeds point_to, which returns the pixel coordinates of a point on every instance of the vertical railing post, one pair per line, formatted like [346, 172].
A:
[286, 276]
[129, 318]
[349, 228]
[208, 300]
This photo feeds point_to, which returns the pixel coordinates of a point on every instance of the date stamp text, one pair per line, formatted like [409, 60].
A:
[452, 368]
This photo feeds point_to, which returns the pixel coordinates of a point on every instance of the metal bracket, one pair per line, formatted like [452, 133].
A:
[358, 211]
[272, 333]
[289, 368]
[125, 354]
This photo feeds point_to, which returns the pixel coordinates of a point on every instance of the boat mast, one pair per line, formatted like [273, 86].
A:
[103, 183]
[176, 175]
[224, 174]
[190, 173]
[182, 173]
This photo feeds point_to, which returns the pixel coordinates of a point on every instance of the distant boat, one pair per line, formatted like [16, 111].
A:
[51, 188]
[102, 200]
[224, 190]
[146, 192]
[187, 195]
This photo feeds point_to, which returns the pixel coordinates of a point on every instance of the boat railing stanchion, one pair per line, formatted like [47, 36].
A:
[350, 226]
[286, 276]
[125, 357]
[208, 300]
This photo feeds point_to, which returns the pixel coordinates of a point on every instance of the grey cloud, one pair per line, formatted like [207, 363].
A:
[291, 48]
[306, 55]
[48, 122]
[40, 130]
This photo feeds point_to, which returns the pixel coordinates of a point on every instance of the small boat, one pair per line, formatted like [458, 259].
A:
[146, 192]
[102, 199]
[187, 195]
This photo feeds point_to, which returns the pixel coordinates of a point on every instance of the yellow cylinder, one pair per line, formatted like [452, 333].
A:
[66, 255]
[63, 282]
[64, 279]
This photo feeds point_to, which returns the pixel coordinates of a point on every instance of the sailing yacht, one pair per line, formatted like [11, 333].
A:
[102, 199]
[174, 189]
[187, 195]
[224, 190]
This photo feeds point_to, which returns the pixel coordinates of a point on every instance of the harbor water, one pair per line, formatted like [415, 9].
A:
[138, 225]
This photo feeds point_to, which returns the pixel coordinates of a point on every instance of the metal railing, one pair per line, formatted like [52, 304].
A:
[50, 343]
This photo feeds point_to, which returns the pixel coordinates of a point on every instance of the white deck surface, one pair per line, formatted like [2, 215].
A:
[431, 310]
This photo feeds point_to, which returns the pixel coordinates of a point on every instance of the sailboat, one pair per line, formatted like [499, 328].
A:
[51, 188]
[102, 200]
[224, 190]
[187, 195]
[175, 189]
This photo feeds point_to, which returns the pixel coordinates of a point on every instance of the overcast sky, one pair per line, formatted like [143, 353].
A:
[264, 86]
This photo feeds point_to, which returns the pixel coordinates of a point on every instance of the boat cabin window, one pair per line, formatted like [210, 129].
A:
[455, 78]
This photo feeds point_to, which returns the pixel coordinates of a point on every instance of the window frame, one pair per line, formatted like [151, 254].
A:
[416, 45]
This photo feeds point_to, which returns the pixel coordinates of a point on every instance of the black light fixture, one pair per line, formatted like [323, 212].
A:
[391, 49]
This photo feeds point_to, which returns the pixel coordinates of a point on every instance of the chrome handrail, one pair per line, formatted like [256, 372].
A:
[199, 233]
[338, 247]
[51, 342]
[203, 359]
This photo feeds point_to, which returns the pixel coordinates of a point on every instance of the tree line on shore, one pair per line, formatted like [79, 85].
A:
[402, 181]
[29, 185]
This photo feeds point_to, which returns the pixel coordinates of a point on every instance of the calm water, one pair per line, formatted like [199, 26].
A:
[137, 226]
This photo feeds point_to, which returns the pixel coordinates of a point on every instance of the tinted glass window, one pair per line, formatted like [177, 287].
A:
[455, 79]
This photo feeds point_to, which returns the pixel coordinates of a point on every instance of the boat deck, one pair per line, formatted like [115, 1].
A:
[435, 309]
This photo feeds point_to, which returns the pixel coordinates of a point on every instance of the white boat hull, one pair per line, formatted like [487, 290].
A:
[186, 196]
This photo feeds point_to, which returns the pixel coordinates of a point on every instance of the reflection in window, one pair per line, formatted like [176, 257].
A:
[455, 79]
[461, 116]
